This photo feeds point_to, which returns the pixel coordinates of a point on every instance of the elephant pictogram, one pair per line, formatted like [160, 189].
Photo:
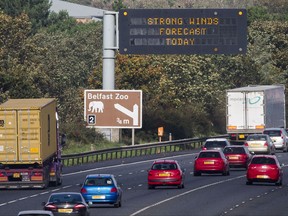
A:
[96, 106]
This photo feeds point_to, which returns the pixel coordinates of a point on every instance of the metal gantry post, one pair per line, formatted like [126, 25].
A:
[110, 45]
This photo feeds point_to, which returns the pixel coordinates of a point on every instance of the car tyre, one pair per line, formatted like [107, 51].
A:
[118, 204]
[151, 187]
[279, 183]
[248, 182]
[196, 173]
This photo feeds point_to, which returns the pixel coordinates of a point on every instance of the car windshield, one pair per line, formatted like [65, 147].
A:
[69, 198]
[99, 182]
[164, 166]
[263, 160]
[234, 150]
[209, 155]
[211, 144]
[258, 137]
[273, 133]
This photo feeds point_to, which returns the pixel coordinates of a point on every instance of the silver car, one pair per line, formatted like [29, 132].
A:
[260, 143]
[215, 144]
[279, 137]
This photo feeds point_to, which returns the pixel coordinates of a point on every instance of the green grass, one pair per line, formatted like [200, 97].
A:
[74, 148]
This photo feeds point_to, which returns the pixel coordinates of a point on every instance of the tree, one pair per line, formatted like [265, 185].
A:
[37, 10]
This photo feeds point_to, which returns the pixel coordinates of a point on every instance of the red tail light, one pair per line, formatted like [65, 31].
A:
[79, 206]
[2, 175]
[204, 148]
[113, 190]
[37, 174]
[246, 144]
[266, 144]
[83, 191]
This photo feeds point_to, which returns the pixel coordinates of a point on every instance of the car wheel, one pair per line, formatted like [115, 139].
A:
[248, 182]
[118, 204]
[225, 172]
[181, 186]
[279, 183]
[151, 187]
[197, 173]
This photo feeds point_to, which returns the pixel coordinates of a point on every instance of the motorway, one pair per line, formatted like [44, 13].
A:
[206, 195]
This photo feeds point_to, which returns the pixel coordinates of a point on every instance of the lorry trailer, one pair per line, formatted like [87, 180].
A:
[253, 108]
[30, 151]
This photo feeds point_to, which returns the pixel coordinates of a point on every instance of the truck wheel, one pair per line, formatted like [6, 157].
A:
[60, 181]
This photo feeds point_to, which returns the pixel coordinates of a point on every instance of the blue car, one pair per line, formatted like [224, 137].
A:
[101, 189]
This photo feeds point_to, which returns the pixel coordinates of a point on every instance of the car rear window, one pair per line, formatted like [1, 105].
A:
[71, 198]
[263, 160]
[259, 137]
[234, 150]
[209, 155]
[211, 144]
[273, 133]
[164, 166]
[99, 182]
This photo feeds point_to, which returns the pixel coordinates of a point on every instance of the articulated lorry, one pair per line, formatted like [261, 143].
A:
[30, 148]
[251, 109]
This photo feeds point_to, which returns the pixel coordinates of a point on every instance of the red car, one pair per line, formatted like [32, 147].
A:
[264, 168]
[211, 161]
[238, 156]
[166, 173]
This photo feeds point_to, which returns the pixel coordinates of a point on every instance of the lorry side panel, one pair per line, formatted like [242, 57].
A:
[275, 108]
[8, 136]
[48, 130]
[255, 113]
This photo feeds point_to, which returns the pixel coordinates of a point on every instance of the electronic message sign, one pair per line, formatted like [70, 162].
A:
[113, 108]
[182, 31]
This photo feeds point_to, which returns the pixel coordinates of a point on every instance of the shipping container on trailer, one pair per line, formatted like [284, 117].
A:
[30, 154]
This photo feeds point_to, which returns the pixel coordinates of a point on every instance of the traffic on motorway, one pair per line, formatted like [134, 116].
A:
[124, 188]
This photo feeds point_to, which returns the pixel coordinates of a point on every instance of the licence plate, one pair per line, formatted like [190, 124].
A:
[233, 157]
[241, 136]
[254, 144]
[65, 210]
[208, 162]
[262, 176]
[16, 175]
[98, 197]
[164, 174]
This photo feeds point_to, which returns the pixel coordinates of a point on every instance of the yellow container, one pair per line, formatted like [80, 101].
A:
[28, 130]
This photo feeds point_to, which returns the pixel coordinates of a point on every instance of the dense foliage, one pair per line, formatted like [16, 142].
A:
[46, 54]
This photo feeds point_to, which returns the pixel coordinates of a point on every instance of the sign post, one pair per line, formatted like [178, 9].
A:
[182, 31]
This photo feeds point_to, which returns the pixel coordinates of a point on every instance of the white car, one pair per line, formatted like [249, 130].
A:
[215, 144]
[35, 212]
[279, 137]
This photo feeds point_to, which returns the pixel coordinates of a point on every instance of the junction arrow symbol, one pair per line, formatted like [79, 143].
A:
[133, 115]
